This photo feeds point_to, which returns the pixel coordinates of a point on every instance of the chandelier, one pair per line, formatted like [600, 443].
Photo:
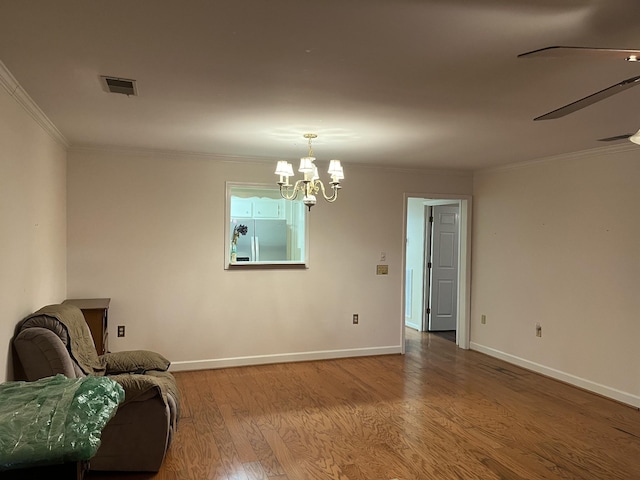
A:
[311, 184]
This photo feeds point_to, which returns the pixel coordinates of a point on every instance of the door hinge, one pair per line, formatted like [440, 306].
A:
[428, 311]
[429, 265]
[431, 219]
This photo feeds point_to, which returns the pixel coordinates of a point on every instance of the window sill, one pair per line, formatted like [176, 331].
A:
[266, 265]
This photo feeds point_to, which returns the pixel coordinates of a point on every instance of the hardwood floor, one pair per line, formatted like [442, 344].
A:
[435, 413]
[447, 335]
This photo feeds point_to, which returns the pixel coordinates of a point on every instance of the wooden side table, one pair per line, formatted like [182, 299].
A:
[95, 311]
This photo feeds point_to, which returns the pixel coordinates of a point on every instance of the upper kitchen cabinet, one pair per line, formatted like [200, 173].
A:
[241, 207]
[257, 207]
[268, 208]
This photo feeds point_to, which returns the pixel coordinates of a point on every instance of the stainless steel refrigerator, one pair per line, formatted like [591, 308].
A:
[265, 241]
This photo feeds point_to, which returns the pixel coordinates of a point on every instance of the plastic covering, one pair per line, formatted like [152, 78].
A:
[54, 420]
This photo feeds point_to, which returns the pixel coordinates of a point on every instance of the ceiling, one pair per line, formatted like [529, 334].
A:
[400, 83]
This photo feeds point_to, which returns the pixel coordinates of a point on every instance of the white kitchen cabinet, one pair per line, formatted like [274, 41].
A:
[268, 208]
[255, 207]
[241, 207]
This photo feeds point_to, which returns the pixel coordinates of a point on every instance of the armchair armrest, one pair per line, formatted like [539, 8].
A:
[42, 354]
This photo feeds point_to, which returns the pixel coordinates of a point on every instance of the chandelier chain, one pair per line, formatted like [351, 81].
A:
[309, 137]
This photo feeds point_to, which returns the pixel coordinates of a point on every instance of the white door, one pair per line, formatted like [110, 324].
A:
[442, 311]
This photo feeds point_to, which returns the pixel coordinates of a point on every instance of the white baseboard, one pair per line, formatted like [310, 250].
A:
[415, 326]
[603, 390]
[281, 358]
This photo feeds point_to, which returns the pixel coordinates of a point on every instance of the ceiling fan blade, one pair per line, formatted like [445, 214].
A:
[591, 99]
[576, 52]
[615, 138]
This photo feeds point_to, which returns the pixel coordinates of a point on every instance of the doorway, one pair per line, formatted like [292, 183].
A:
[437, 262]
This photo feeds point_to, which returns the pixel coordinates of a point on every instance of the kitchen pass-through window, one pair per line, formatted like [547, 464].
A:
[264, 229]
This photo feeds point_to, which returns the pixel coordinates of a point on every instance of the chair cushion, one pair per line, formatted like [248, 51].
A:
[134, 361]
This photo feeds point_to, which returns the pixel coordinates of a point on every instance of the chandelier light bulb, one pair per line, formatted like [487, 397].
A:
[289, 170]
[281, 168]
[306, 165]
[334, 167]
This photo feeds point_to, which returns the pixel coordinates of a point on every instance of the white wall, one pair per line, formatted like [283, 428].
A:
[147, 230]
[32, 215]
[557, 242]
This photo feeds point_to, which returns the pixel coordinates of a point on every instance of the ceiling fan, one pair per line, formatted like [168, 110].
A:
[609, 53]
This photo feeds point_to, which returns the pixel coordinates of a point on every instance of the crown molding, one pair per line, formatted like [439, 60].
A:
[581, 154]
[11, 85]
[226, 158]
[158, 152]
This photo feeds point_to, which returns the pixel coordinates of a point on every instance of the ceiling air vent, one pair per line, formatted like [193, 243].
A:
[125, 86]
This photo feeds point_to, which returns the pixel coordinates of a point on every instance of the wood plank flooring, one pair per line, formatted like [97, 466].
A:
[437, 412]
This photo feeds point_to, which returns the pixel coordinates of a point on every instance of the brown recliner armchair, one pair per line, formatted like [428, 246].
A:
[57, 340]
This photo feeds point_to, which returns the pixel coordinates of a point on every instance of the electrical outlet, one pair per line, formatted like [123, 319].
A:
[538, 330]
[483, 319]
[121, 330]
[355, 319]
